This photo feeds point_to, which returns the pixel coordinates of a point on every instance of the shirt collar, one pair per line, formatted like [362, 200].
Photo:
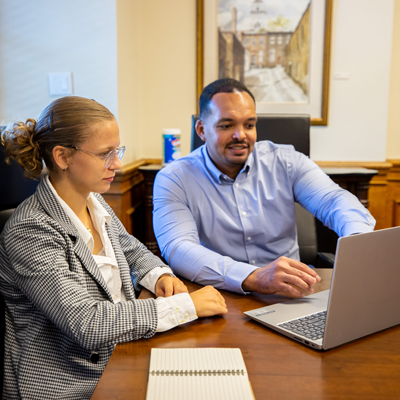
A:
[216, 174]
[249, 162]
[96, 209]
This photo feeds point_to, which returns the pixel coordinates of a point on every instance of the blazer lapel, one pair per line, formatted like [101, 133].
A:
[52, 207]
[122, 263]
[87, 260]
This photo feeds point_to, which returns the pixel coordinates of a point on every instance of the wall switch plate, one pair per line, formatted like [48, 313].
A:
[60, 83]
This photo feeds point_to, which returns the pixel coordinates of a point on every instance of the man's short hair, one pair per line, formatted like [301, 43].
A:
[225, 85]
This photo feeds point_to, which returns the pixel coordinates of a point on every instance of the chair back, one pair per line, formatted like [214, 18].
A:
[291, 129]
[14, 187]
[4, 216]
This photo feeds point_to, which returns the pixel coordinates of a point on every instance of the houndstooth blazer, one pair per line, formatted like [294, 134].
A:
[61, 322]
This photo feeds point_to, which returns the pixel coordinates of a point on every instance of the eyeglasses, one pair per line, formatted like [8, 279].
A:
[108, 157]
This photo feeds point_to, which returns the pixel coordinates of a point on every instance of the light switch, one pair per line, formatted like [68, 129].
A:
[341, 75]
[60, 83]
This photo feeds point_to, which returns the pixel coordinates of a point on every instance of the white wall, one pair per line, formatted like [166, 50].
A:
[361, 46]
[156, 73]
[42, 36]
[358, 107]
[130, 77]
[393, 142]
[139, 59]
[169, 71]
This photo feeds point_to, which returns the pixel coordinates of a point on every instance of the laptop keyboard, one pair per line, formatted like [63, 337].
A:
[312, 326]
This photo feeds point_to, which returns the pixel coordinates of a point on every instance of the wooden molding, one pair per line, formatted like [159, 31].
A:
[380, 166]
[127, 193]
[200, 49]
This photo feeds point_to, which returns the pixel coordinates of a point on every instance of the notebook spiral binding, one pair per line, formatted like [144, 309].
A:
[199, 373]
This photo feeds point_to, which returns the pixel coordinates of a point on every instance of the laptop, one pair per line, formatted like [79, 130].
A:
[364, 297]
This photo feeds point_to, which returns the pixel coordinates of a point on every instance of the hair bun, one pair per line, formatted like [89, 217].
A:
[20, 145]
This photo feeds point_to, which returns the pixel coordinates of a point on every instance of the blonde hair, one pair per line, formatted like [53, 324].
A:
[64, 122]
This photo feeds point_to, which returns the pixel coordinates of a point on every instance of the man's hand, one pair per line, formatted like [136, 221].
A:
[168, 285]
[284, 276]
[208, 302]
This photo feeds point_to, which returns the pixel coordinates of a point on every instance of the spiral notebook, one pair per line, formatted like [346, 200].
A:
[198, 374]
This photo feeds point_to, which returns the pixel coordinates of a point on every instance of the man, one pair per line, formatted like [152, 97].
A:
[224, 215]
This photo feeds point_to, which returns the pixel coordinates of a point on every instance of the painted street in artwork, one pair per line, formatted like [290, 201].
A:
[266, 45]
[273, 85]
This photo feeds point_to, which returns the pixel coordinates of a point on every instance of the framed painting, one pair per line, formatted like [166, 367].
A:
[280, 49]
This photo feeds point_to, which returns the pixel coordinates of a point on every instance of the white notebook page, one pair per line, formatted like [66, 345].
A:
[198, 374]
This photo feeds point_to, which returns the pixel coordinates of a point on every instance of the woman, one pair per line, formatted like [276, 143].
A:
[68, 267]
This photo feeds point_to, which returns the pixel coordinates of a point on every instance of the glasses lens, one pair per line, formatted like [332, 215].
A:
[121, 152]
[111, 156]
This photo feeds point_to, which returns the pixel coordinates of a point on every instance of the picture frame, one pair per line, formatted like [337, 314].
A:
[320, 23]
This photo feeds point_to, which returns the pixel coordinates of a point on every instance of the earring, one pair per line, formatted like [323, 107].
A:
[65, 168]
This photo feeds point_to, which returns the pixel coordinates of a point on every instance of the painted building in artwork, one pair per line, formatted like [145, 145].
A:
[231, 54]
[258, 14]
[255, 39]
[297, 52]
[264, 46]
[255, 45]
[266, 49]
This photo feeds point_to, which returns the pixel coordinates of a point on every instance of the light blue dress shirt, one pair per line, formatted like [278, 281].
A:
[214, 230]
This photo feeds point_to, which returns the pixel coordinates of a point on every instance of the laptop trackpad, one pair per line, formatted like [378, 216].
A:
[291, 309]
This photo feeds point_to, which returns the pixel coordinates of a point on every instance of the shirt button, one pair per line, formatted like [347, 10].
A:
[115, 297]
[253, 261]
[244, 213]
[249, 238]
[237, 185]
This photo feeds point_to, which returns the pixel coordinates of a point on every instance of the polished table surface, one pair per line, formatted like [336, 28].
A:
[278, 367]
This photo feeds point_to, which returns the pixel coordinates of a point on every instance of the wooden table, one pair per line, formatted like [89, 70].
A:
[278, 367]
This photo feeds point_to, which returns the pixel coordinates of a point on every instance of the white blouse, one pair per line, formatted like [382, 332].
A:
[172, 311]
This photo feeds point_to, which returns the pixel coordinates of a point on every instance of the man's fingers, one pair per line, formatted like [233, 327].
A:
[296, 279]
[304, 269]
[297, 276]
[300, 270]
[285, 276]
[289, 290]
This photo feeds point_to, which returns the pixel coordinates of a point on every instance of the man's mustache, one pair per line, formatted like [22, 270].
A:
[236, 142]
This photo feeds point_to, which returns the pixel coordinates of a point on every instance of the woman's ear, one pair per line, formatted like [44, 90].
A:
[61, 156]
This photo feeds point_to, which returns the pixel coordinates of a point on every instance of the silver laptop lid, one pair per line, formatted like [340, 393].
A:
[365, 289]
[364, 297]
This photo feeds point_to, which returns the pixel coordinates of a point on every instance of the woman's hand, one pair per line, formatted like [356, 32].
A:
[208, 302]
[168, 285]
